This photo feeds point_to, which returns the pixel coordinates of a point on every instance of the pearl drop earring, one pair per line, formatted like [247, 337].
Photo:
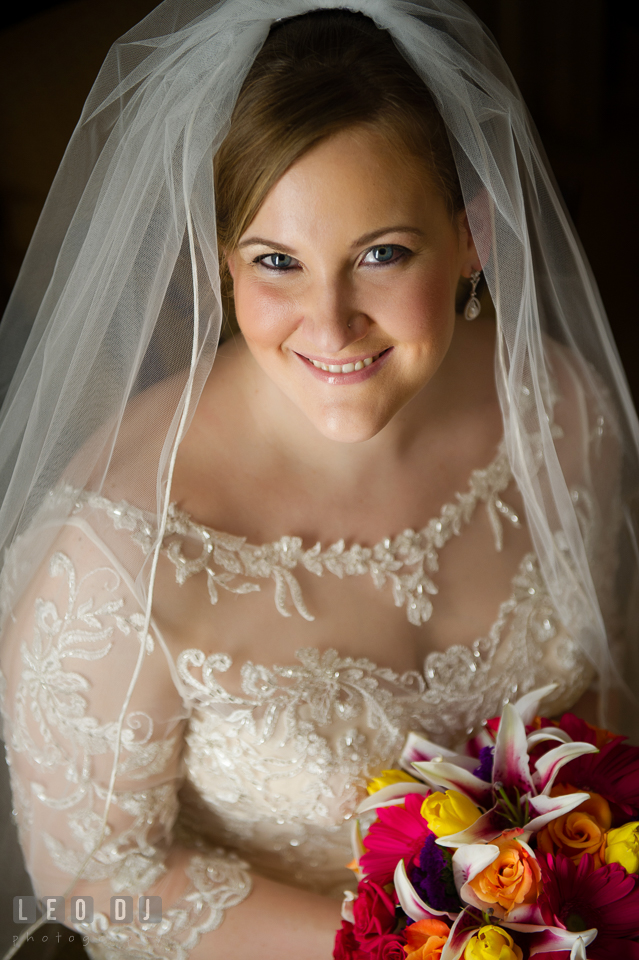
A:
[473, 307]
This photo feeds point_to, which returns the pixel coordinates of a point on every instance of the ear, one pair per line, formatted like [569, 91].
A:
[470, 259]
[229, 260]
[475, 226]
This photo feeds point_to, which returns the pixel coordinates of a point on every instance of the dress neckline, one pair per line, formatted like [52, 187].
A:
[234, 565]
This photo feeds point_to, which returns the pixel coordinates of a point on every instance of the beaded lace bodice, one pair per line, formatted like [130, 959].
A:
[272, 773]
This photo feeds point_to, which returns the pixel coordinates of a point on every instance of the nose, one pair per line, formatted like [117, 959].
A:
[331, 319]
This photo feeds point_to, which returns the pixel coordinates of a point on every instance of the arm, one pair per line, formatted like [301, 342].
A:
[71, 647]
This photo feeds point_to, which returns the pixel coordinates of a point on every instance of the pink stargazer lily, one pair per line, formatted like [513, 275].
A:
[514, 800]
[540, 939]
[514, 797]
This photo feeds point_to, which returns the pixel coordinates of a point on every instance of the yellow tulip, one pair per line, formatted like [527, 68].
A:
[622, 846]
[389, 777]
[492, 943]
[449, 813]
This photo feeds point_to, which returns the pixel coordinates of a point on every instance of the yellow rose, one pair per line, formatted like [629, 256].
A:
[582, 830]
[389, 777]
[492, 943]
[449, 813]
[622, 846]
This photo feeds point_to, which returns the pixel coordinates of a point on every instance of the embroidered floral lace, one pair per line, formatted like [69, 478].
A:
[268, 777]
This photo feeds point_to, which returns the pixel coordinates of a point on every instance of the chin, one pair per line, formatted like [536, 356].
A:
[344, 429]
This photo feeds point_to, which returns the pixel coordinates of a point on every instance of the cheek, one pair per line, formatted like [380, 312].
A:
[420, 310]
[266, 316]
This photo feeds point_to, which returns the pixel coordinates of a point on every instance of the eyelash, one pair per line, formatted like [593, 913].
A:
[397, 248]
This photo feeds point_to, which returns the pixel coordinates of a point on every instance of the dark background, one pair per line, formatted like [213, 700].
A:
[576, 62]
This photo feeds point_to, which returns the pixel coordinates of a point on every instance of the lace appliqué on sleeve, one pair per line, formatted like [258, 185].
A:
[217, 881]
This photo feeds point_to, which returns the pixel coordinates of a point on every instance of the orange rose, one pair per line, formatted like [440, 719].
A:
[582, 830]
[425, 939]
[512, 878]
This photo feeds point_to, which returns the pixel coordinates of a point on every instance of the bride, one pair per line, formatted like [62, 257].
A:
[442, 506]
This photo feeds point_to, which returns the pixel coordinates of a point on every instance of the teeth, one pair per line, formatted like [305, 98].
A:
[344, 367]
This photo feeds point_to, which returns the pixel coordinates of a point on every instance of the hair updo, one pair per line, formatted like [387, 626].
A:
[316, 75]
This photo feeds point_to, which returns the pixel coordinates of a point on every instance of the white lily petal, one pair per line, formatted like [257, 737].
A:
[410, 901]
[347, 906]
[471, 859]
[451, 777]
[547, 733]
[549, 808]
[554, 939]
[549, 765]
[525, 914]
[578, 951]
[418, 749]
[392, 794]
[510, 765]
[490, 825]
[464, 929]
[528, 706]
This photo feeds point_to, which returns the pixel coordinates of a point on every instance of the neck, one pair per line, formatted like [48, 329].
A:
[290, 437]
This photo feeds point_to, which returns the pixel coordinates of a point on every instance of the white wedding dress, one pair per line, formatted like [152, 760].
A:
[267, 778]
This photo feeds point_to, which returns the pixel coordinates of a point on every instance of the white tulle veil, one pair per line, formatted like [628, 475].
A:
[120, 289]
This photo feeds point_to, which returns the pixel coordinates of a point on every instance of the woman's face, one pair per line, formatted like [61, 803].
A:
[345, 283]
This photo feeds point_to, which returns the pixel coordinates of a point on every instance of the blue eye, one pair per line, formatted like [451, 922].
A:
[385, 253]
[276, 261]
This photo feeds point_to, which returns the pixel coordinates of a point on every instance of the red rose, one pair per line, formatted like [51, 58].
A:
[345, 943]
[388, 947]
[373, 912]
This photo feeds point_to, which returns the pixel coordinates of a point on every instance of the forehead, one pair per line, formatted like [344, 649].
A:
[351, 182]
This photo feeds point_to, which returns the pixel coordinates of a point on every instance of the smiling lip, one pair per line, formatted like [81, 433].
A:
[367, 365]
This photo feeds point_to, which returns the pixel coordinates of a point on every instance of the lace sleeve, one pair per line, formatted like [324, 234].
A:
[589, 447]
[71, 644]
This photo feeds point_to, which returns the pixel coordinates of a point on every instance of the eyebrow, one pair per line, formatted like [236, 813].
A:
[365, 238]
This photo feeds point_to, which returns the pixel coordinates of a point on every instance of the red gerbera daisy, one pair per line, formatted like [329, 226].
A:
[613, 772]
[398, 834]
[579, 898]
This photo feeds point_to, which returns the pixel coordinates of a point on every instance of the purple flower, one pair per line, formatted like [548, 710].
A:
[433, 877]
[485, 769]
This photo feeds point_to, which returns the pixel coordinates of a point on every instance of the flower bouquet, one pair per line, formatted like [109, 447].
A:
[524, 845]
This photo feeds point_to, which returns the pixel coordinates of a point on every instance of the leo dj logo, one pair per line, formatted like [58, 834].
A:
[25, 909]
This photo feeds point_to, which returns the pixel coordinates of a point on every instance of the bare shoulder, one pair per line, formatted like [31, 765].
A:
[152, 416]
[584, 414]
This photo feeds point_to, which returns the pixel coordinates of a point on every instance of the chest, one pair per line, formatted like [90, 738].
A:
[396, 601]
